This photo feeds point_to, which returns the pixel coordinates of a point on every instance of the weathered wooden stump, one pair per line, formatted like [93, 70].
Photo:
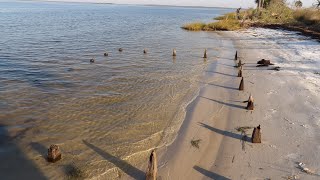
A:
[250, 105]
[106, 54]
[205, 53]
[120, 49]
[92, 60]
[174, 52]
[54, 153]
[240, 72]
[241, 86]
[152, 170]
[144, 51]
[236, 56]
[256, 135]
[239, 63]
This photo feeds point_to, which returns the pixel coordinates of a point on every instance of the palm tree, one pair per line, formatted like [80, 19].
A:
[262, 3]
[317, 4]
[298, 4]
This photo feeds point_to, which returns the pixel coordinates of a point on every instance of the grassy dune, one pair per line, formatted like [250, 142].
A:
[275, 14]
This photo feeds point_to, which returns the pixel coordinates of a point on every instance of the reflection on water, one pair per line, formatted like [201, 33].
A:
[125, 104]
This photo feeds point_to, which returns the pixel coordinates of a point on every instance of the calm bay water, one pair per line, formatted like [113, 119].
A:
[124, 104]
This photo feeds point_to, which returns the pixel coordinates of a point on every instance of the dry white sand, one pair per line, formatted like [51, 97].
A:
[286, 106]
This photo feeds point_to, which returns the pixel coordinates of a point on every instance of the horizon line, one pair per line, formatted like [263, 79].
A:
[162, 5]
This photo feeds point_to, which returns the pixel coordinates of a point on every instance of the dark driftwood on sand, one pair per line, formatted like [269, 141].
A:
[264, 62]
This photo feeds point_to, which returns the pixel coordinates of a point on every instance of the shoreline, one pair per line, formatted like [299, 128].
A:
[199, 114]
[223, 154]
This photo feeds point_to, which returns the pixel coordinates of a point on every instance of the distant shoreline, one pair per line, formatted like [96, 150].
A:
[152, 5]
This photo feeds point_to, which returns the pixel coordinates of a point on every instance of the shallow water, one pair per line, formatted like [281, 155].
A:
[124, 104]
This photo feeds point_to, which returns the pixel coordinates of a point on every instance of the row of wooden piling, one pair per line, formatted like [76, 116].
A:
[174, 54]
[54, 153]
[256, 134]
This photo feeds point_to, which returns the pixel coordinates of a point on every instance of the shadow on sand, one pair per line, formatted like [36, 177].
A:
[225, 133]
[209, 174]
[226, 87]
[215, 72]
[121, 164]
[41, 149]
[224, 103]
[14, 164]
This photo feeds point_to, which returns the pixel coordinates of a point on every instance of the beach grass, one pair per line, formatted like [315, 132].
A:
[222, 25]
[307, 16]
[277, 13]
[243, 129]
[197, 26]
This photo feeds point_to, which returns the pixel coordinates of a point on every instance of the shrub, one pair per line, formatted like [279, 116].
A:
[197, 26]
[307, 16]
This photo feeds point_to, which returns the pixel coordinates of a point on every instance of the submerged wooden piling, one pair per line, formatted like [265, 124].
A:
[236, 56]
[144, 51]
[54, 153]
[152, 170]
[205, 53]
[241, 86]
[256, 135]
[250, 105]
[174, 52]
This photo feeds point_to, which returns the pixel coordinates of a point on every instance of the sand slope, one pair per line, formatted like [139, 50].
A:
[287, 108]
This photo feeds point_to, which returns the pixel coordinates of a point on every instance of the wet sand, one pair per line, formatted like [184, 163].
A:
[286, 107]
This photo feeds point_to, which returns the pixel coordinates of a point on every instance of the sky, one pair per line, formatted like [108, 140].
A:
[207, 3]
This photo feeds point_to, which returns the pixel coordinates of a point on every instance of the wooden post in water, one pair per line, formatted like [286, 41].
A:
[236, 56]
[152, 170]
[256, 135]
[105, 54]
[54, 153]
[120, 49]
[174, 52]
[241, 86]
[205, 53]
[144, 51]
[92, 60]
[250, 105]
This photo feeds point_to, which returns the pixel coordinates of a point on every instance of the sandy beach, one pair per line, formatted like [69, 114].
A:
[286, 107]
